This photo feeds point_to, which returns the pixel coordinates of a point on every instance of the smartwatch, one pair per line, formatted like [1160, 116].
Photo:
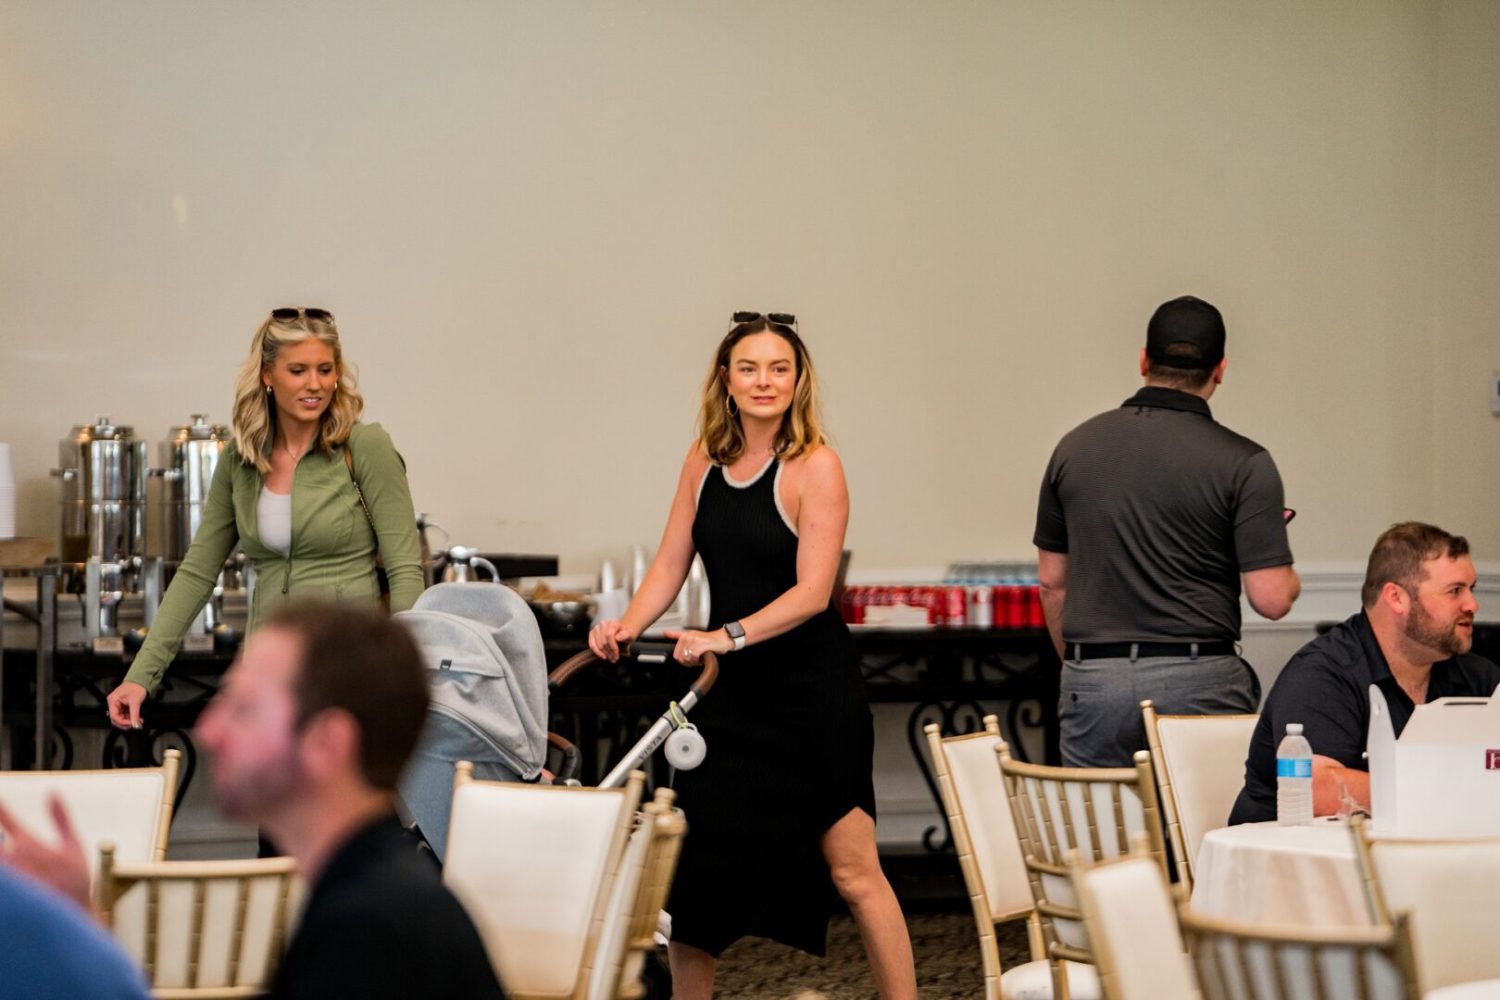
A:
[737, 633]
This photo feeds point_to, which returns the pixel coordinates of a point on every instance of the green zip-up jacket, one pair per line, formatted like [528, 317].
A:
[333, 548]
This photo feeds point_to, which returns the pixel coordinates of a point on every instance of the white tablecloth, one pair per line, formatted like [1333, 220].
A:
[1265, 873]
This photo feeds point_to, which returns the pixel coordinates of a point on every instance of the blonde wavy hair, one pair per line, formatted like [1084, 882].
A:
[254, 420]
[719, 430]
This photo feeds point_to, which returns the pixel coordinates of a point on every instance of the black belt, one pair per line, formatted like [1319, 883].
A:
[1136, 650]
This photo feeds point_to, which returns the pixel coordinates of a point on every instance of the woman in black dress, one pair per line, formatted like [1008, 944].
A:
[781, 812]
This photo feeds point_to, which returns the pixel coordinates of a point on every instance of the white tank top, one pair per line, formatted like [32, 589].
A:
[273, 514]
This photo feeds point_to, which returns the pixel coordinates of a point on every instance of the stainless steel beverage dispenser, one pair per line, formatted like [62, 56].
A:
[103, 472]
[189, 456]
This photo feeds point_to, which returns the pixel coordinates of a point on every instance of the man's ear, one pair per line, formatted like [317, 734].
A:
[1396, 598]
[1145, 364]
[1219, 370]
[330, 743]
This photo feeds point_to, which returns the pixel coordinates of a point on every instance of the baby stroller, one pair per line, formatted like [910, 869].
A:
[487, 674]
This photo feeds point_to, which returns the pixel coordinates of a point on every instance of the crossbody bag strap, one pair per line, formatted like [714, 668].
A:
[358, 491]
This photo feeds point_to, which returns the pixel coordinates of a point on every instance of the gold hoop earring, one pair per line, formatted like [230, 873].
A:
[730, 406]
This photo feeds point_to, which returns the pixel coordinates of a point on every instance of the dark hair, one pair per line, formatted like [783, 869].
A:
[359, 661]
[1399, 554]
[1187, 379]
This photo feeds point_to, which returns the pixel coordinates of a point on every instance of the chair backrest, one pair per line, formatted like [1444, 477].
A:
[1199, 762]
[1093, 812]
[130, 808]
[984, 835]
[533, 865]
[201, 928]
[637, 896]
[1131, 918]
[1449, 886]
[1238, 961]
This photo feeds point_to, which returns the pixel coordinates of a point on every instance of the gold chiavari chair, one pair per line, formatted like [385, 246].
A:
[1091, 811]
[201, 929]
[1237, 961]
[989, 857]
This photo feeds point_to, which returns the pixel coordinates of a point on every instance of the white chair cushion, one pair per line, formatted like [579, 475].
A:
[1132, 927]
[123, 807]
[1450, 889]
[1204, 758]
[1033, 981]
[529, 863]
[986, 809]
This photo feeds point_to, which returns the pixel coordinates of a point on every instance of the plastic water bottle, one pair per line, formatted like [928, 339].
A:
[1294, 796]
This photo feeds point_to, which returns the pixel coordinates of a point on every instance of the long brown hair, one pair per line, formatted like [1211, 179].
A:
[719, 430]
[254, 421]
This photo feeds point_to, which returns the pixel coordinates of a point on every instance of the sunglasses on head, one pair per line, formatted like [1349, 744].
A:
[290, 314]
[779, 319]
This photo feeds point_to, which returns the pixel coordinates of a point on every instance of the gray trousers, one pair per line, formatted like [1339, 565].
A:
[1100, 710]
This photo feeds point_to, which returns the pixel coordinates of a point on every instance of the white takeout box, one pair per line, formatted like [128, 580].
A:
[1442, 777]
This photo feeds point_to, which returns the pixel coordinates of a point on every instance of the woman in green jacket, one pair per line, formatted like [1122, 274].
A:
[312, 496]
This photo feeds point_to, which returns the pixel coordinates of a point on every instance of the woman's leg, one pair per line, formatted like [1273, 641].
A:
[849, 848]
[692, 972]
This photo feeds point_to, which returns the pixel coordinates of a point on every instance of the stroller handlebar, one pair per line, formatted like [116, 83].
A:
[646, 652]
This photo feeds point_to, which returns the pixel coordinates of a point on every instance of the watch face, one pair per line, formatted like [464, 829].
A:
[735, 630]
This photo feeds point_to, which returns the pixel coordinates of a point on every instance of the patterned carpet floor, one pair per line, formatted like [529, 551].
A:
[945, 946]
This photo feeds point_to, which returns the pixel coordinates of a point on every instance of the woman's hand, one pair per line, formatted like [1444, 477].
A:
[692, 644]
[609, 637]
[125, 705]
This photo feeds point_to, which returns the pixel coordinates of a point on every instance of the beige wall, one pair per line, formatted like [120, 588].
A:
[533, 220]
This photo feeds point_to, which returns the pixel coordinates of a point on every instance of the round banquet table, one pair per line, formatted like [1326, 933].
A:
[1266, 873]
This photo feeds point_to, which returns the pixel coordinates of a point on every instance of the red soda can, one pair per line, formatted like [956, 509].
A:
[846, 605]
[900, 595]
[1000, 605]
[1015, 613]
[955, 607]
[932, 600]
[861, 598]
[1034, 616]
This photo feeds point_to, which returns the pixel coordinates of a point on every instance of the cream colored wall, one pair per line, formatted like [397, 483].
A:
[533, 220]
[1466, 271]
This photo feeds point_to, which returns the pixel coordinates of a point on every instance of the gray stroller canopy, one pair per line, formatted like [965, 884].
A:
[487, 673]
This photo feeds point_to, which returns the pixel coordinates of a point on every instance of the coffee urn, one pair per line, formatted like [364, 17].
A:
[189, 456]
[103, 472]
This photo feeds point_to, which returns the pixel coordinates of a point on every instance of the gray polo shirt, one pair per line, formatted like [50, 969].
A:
[1159, 510]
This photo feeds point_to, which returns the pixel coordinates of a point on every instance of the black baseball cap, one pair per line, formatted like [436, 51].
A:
[1189, 322]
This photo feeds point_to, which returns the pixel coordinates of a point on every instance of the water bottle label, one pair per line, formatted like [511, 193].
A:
[1294, 767]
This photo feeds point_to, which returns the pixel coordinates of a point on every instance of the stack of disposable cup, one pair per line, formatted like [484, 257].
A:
[7, 494]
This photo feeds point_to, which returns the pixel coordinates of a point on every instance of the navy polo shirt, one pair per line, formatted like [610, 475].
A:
[1326, 687]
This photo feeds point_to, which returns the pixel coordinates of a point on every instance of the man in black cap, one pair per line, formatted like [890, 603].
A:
[1150, 518]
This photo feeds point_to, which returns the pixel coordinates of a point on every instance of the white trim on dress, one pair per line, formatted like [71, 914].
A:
[737, 484]
[776, 495]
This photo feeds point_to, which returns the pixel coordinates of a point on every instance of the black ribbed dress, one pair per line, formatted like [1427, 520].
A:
[790, 740]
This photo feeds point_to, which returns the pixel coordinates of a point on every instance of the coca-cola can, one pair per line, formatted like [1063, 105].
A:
[846, 605]
[1015, 611]
[955, 607]
[861, 599]
[1034, 616]
[899, 595]
[981, 607]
